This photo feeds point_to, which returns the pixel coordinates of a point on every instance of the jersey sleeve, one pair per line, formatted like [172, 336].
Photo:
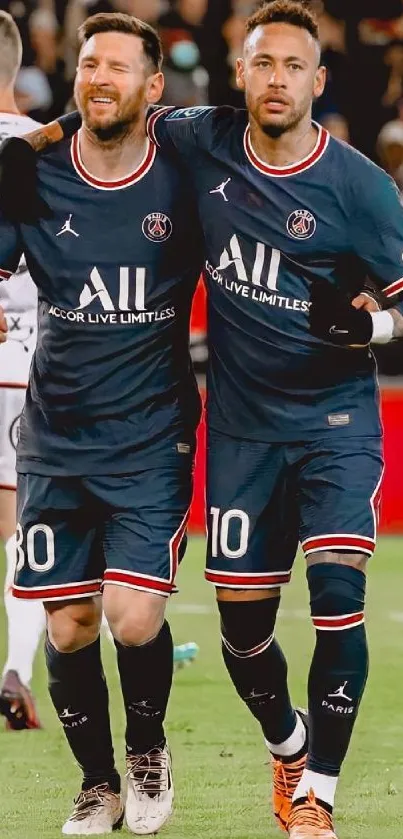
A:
[184, 129]
[70, 123]
[10, 248]
[378, 232]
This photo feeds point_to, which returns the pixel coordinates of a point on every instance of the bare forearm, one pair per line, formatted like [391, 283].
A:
[43, 137]
[398, 323]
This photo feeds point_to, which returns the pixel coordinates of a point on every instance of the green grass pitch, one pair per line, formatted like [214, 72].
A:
[221, 776]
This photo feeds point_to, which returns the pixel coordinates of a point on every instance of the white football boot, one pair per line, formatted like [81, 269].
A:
[150, 791]
[96, 811]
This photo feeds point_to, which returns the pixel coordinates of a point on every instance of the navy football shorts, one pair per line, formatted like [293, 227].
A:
[265, 498]
[75, 534]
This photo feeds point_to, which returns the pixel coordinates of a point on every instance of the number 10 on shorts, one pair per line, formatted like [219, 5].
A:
[229, 533]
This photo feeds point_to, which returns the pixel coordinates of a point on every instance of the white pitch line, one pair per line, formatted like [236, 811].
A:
[192, 609]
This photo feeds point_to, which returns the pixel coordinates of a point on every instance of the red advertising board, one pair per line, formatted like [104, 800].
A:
[392, 491]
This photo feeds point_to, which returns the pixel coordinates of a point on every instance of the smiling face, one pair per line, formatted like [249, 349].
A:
[280, 76]
[114, 83]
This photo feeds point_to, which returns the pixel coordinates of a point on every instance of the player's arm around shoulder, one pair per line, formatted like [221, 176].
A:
[376, 214]
[187, 129]
[18, 161]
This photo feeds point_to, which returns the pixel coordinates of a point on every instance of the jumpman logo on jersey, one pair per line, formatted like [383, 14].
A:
[220, 189]
[340, 693]
[67, 228]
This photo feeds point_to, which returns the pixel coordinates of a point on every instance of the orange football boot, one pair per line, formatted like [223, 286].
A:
[309, 820]
[286, 777]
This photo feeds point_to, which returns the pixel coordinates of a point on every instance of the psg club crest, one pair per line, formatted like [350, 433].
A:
[157, 227]
[301, 224]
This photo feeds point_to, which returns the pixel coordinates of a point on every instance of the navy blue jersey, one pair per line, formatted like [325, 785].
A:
[334, 217]
[111, 382]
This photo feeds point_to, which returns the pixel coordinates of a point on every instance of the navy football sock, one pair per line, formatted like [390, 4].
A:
[256, 664]
[340, 663]
[79, 694]
[146, 679]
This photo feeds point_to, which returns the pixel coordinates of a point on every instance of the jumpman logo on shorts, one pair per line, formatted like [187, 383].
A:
[67, 228]
[340, 693]
[220, 189]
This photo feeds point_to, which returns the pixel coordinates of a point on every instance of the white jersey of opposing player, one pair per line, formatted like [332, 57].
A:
[19, 293]
[18, 298]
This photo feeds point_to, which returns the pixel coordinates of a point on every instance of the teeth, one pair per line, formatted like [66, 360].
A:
[102, 99]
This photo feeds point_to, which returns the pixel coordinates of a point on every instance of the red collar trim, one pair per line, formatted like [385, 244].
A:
[285, 171]
[129, 180]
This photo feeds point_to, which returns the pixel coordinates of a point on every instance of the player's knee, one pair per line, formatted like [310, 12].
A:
[247, 625]
[133, 631]
[337, 595]
[73, 626]
[134, 617]
[353, 559]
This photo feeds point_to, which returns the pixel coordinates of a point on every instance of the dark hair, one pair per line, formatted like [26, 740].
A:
[284, 11]
[128, 24]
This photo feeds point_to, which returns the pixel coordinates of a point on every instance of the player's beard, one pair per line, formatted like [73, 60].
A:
[276, 130]
[118, 126]
[281, 125]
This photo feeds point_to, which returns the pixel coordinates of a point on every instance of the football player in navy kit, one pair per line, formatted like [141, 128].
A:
[106, 445]
[291, 218]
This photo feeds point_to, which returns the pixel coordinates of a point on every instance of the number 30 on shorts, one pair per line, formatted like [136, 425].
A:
[231, 526]
[47, 547]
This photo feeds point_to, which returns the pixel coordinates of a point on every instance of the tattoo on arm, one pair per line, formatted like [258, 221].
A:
[43, 137]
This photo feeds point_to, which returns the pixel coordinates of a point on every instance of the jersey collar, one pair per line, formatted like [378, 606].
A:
[129, 180]
[285, 171]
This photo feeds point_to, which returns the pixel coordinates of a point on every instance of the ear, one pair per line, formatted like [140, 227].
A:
[154, 88]
[240, 73]
[319, 82]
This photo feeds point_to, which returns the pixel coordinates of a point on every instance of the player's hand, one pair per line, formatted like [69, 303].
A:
[3, 327]
[19, 198]
[366, 302]
[371, 298]
[333, 318]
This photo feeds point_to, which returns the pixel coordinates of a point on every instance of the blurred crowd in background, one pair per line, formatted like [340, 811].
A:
[362, 48]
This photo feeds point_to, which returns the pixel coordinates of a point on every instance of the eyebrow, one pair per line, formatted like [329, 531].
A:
[259, 55]
[115, 62]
